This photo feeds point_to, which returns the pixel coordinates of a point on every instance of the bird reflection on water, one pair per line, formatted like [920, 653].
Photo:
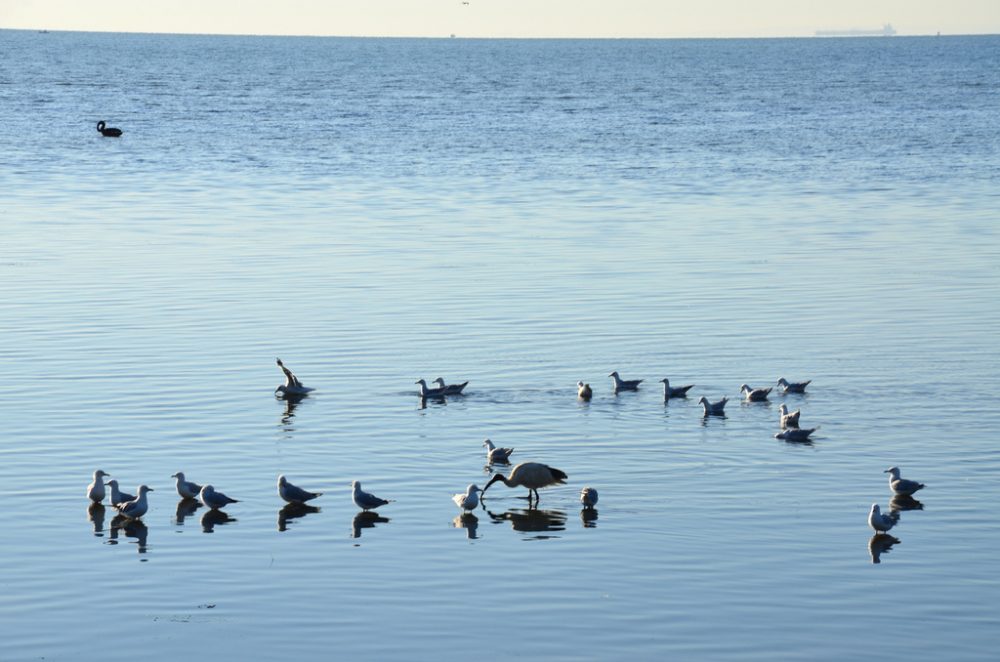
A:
[532, 520]
[185, 508]
[366, 519]
[880, 544]
[589, 517]
[95, 515]
[469, 522]
[294, 511]
[902, 502]
[213, 518]
[132, 528]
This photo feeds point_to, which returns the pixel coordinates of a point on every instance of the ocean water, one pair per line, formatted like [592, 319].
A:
[523, 215]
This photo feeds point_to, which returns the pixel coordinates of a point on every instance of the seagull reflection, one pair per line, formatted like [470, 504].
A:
[880, 544]
[469, 522]
[132, 528]
[589, 518]
[532, 520]
[95, 515]
[185, 508]
[291, 402]
[902, 502]
[438, 400]
[214, 517]
[366, 519]
[293, 511]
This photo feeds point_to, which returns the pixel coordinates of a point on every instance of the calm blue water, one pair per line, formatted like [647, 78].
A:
[521, 214]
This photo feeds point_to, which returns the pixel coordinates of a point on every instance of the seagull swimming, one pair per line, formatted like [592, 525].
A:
[583, 391]
[674, 391]
[292, 385]
[451, 389]
[364, 500]
[137, 507]
[901, 485]
[427, 392]
[588, 497]
[293, 494]
[117, 496]
[214, 500]
[714, 408]
[624, 384]
[795, 434]
[495, 454]
[754, 394]
[185, 488]
[95, 491]
[788, 420]
[793, 387]
[879, 522]
[469, 500]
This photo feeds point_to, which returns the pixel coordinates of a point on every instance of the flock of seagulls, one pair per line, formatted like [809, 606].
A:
[530, 475]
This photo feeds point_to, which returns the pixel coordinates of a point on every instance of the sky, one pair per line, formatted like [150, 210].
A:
[506, 18]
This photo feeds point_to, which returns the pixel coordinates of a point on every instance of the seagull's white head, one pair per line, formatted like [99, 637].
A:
[144, 488]
[100, 474]
[439, 380]
[893, 471]
[744, 387]
[783, 409]
[613, 374]
[281, 479]
[472, 489]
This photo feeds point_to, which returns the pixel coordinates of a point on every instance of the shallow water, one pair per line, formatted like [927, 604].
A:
[522, 215]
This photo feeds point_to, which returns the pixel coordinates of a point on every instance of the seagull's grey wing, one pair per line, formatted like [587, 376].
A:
[298, 494]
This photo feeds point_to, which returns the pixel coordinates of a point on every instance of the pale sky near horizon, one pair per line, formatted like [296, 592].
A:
[506, 18]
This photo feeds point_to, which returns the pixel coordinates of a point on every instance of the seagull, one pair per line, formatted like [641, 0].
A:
[426, 392]
[879, 522]
[293, 494]
[364, 500]
[110, 131]
[137, 507]
[754, 394]
[214, 500]
[497, 455]
[714, 408]
[117, 496]
[795, 434]
[451, 389]
[674, 391]
[793, 387]
[292, 385]
[469, 500]
[623, 384]
[583, 391]
[588, 497]
[95, 491]
[788, 420]
[531, 475]
[901, 485]
[185, 488]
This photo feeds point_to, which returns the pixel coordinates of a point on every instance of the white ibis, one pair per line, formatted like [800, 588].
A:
[213, 499]
[624, 384]
[879, 522]
[754, 394]
[95, 491]
[901, 485]
[583, 391]
[294, 494]
[495, 454]
[788, 420]
[451, 389]
[793, 387]
[185, 488]
[292, 385]
[674, 391]
[531, 475]
[469, 500]
[364, 500]
[137, 507]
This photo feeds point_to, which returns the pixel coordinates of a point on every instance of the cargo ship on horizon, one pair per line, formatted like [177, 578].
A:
[886, 31]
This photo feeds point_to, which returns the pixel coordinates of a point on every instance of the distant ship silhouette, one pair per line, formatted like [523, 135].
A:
[886, 31]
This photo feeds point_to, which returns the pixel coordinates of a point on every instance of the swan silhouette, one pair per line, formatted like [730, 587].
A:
[109, 132]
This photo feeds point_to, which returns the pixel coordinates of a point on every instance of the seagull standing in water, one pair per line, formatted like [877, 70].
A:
[214, 500]
[788, 420]
[95, 491]
[292, 385]
[293, 494]
[588, 497]
[624, 384]
[793, 387]
[496, 454]
[469, 500]
[901, 486]
[117, 496]
[364, 500]
[879, 522]
[185, 488]
[137, 507]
